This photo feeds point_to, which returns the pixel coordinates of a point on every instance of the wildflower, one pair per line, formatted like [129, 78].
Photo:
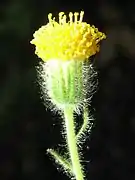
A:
[67, 74]
[65, 47]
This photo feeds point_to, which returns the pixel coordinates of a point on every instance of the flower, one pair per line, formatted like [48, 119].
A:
[67, 40]
[65, 47]
[67, 78]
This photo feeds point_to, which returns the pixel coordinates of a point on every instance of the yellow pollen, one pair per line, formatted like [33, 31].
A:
[76, 14]
[71, 17]
[70, 39]
[60, 17]
[81, 16]
[50, 17]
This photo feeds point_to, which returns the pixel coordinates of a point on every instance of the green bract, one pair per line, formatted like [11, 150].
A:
[66, 83]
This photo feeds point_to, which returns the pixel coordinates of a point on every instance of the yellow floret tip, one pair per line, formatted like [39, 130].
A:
[67, 40]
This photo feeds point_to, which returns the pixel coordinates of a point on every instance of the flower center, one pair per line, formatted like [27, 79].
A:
[67, 40]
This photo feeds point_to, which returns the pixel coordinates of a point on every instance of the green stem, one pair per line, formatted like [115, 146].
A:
[61, 161]
[85, 128]
[72, 145]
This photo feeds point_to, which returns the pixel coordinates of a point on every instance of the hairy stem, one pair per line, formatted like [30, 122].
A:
[61, 161]
[84, 125]
[72, 144]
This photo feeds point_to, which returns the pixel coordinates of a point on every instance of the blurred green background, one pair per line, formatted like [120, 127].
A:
[27, 129]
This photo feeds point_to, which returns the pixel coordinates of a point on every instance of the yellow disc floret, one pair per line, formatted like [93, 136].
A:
[67, 40]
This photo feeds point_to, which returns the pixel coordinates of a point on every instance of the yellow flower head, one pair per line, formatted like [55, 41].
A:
[67, 40]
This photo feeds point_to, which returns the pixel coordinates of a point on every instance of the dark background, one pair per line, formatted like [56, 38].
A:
[27, 129]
